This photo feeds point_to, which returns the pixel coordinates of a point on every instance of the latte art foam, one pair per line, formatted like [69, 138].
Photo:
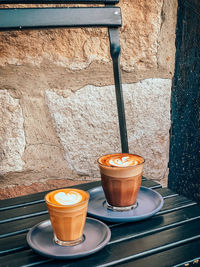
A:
[69, 198]
[123, 162]
[120, 160]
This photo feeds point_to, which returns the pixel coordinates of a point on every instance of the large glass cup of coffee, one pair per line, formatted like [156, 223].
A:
[67, 211]
[121, 177]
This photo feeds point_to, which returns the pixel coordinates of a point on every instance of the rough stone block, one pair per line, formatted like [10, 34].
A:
[87, 125]
[12, 137]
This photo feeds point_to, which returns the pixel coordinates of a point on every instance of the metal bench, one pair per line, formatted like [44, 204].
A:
[107, 15]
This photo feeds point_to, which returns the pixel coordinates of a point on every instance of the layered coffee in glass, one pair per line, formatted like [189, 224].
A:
[121, 176]
[67, 210]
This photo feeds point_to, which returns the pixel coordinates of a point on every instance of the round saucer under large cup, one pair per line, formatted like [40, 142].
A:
[96, 236]
[149, 203]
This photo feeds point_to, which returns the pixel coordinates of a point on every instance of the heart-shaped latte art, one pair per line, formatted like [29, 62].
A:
[70, 198]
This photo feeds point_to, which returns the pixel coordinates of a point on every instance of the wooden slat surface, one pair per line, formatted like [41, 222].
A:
[171, 257]
[11, 203]
[167, 236]
[39, 197]
[32, 18]
[40, 209]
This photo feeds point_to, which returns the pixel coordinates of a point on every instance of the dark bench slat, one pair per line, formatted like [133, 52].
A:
[13, 244]
[38, 207]
[169, 258]
[18, 223]
[150, 184]
[19, 213]
[129, 250]
[22, 212]
[32, 199]
[155, 224]
[59, 1]
[166, 192]
[22, 226]
[176, 203]
[135, 248]
[22, 201]
[24, 258]
[32, 18]
[119, 232]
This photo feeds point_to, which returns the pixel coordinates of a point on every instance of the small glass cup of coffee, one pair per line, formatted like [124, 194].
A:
[67, 211]
[121, 177]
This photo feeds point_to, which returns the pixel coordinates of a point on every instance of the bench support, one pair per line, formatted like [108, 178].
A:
[115, 54]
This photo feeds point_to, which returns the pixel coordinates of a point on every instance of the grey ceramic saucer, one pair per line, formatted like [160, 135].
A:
[96, 236]
[149, 203]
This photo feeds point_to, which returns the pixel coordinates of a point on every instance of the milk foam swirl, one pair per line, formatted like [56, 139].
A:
[123, 162]
[120, 160]
[70, 198]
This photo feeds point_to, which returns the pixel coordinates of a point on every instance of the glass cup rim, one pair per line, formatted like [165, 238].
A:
[101, 164]
[67, 206]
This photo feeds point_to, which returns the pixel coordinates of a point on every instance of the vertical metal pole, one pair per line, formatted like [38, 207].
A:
[115, 54]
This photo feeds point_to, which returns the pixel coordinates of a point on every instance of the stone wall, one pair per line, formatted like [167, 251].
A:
[57, 104]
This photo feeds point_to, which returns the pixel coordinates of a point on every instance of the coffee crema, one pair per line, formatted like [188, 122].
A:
[65, 197]
[121, 177]
[67, 209]
[120, 160]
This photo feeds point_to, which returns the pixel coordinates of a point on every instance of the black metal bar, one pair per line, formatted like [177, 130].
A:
[59, 2]
[23, 18]
[115, 54]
